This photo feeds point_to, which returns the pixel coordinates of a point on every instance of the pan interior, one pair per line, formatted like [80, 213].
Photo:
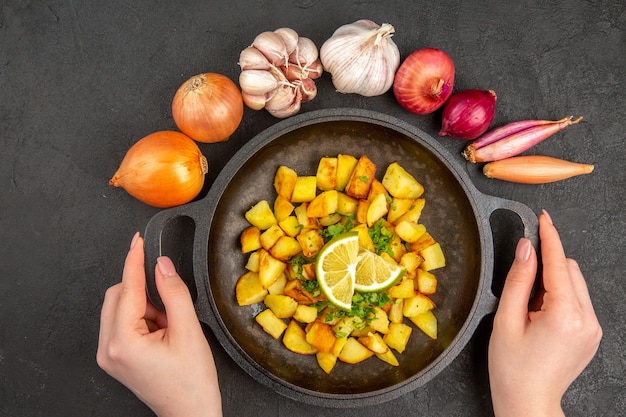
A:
[448, 216]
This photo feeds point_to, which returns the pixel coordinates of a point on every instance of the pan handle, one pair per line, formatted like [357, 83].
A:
[172, 232]
[530, 222]
[526, 215]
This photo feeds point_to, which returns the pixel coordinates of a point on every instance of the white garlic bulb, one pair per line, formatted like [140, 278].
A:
[362, 58]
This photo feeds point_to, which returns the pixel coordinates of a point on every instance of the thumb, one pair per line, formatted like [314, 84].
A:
[174, 294]
[519, 283]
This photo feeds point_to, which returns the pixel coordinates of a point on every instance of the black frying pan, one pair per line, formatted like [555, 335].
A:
[203, 239]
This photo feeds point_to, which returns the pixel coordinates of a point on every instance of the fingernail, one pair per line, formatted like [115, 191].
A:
[166, 266]
[522, 252]
[134, 240]
[548, 218]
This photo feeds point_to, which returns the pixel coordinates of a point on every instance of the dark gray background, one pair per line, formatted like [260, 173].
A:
[81, 81]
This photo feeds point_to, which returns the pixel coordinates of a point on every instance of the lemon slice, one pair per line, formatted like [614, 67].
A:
[374, 273]
[336, 267]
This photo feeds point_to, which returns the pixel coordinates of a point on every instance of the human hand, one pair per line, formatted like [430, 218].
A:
[163, 358]
[534, 356]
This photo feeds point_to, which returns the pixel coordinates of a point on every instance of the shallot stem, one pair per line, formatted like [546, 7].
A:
[516, 143]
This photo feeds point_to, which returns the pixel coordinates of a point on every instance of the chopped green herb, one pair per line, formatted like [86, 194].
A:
[382, 237]
[349, 221]
[331, 231]
[332, 313]
[363, 307]
[376, 299]
[363, 178]
[297, 262]
[311, 286]
[320, 306]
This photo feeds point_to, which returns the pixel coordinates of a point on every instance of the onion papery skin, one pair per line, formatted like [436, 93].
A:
[424, 81]
[164, 169]
[468, 114]
[208, 107]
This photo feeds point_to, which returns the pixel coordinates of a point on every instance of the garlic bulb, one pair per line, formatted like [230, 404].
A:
[361, 58]
[277, 72]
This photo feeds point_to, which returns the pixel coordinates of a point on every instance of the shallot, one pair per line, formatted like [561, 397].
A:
[509, 141]
[534, 169]
[468, 114]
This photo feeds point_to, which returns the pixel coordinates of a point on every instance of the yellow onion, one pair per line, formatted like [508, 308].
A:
[164, 169]
[208, 107]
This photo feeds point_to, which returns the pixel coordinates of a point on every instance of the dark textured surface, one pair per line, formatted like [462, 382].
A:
[82, 81]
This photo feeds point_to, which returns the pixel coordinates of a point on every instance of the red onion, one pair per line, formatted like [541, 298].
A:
[468, 114]
[424, 81]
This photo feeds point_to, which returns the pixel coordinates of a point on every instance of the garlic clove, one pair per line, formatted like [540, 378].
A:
[257, 81]
[294, 73]
[284, 97]
[256, 101]
[369, 75]
[360, 26]
[315, 69]
[291, 109]
[252, 59]
[305, 53]
[308, 89]
[272, 46]
[280, 74]
[289, 37]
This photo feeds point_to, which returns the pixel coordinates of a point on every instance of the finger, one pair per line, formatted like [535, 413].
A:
[176, 297]
[518, 285]
[156, 316]
[107, 319]
[580, 286]
[152, 326]
[133, 299]
[536, 301]
[555, 272]
[550, 239]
